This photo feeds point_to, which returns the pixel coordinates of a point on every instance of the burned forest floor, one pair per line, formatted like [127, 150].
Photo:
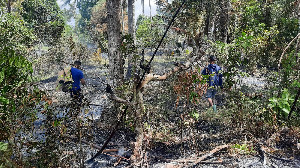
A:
[189, 134]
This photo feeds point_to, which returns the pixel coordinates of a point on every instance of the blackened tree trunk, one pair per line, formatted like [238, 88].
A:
[9, 6]
[116, 61]
[207, 21]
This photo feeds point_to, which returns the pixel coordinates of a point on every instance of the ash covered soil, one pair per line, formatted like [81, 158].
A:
[177, 139]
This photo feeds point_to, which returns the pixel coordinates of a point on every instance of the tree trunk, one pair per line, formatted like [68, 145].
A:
[208, 9]
[150, 9]
[138, 152]
[298, 40]
[212, 33]
[116, 60]
[131, 17]
[268, 19]
[122, 15]
[143, 6]
[8, 6]
[131, 31]
[223, 21]
[207, 20]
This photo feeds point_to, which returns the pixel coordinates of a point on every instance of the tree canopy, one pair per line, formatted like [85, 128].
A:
[45, 17]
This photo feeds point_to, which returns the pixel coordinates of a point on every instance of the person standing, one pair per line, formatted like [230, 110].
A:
[77, 76]
[213, 71]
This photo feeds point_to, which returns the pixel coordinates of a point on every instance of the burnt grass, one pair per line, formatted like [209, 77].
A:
[176, 133]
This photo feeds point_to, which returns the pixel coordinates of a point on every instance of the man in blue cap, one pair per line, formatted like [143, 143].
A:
[213, 71]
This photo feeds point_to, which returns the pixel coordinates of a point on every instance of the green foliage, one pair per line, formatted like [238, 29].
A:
[15, 70]
[193, 14]
[14, 34]
[288, 27]
[194, 114]
[296, 84]
[19, 101]
[45, 18]
[127, 46]
[243, 149]
[289, 71]
[83, 21]
[149, 31]
[3, 146]
[282, 105]
[252, 15]
[260, 33]
[85, 12]
[5, 154]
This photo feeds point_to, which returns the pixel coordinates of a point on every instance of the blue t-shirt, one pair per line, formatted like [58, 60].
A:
[77, 75]
[215, 78]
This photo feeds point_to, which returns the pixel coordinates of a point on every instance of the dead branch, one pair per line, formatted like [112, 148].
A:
[118, 156]
[195, 160]
[284, 51]
[112, 96]
[105, 151]
[212, 162]
[152, 77]
[117, 163]
[171, 165]
[294, 104]
[217, 149]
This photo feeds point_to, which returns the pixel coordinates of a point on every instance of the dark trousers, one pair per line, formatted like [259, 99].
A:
[76, 95]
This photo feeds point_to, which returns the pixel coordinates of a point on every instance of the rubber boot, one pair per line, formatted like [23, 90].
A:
[214, 108]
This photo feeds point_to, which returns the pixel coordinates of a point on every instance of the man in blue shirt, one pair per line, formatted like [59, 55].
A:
[214, 80]
[77, 77]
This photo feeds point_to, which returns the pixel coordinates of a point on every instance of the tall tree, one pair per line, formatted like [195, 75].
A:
[131, 23]
[143, 6]
[45, 17]
[8, 6]
[223, 20]
[85, 8]
[122, 15]
[298, 40]
[98, 25]
[131, 31]
[116, 60]
[150, 8]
